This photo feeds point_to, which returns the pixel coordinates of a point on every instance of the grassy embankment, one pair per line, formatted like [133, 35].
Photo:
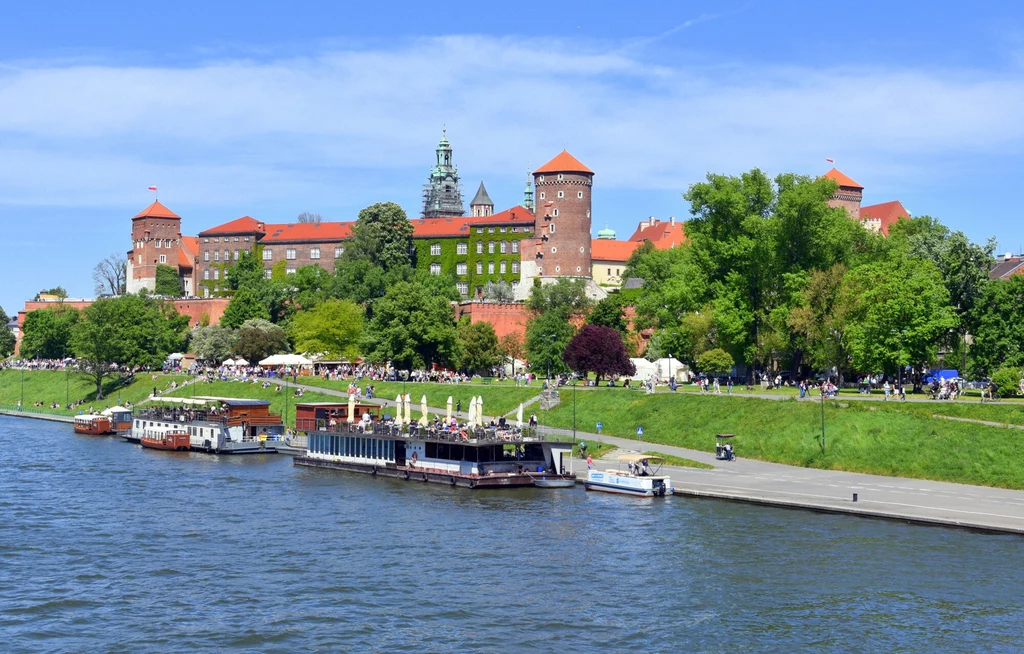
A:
[499, 398]
[879, 438]
[48, 386]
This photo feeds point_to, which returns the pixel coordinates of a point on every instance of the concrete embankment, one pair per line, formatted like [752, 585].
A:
[37, 416]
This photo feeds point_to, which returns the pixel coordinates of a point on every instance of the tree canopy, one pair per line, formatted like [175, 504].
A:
[599, 350]
[382, 235]
[244, 305]
[332, 328]
[477, 346]
[411, 327]
[46, 333]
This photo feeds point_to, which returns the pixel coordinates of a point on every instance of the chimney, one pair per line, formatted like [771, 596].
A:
[671, 220]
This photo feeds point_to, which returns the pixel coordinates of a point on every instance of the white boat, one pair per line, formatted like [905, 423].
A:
[639, 479]
[544, 482]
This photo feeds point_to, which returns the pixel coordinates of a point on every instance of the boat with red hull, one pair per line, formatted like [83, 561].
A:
[174, 441]
[93, 425]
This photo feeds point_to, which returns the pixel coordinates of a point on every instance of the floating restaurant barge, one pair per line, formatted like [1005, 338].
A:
[218, 425]
[478, 458]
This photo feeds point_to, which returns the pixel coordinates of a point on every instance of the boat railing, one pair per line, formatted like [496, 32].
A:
[507, 434]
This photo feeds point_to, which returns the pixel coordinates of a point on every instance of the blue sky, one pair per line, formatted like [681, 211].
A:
[270, 109]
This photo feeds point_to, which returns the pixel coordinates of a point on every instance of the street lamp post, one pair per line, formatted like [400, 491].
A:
[21, 404]
[822, 417]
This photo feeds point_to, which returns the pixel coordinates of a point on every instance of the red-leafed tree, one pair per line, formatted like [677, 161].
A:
[598, 350]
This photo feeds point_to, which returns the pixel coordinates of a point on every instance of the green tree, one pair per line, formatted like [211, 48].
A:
[715, 361]
[999, 327]
[129, 330]
[333, 328]
[7, 339]
[566, 297]
[382, 235]
[56, 290]
[609, 313]
[168, 283]
[822, 318]
[900, 314]
[547, 336]
[257, 339]
[512, 348]
[213, 343]
[410, 327]
[477, 346]
[46, 333]
[1007, 380]
[247, 272]
[245, 304]
[361, 281]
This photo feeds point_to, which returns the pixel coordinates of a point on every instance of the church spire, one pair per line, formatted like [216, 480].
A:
[528, 193]
[442, 195]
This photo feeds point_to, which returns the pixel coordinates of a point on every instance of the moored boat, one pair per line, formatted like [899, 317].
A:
[175, 441]
[93, 425]
[469, 458]
[638, 479]
[218, 425]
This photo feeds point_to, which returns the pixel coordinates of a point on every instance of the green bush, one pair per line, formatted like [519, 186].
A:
[1007, 379]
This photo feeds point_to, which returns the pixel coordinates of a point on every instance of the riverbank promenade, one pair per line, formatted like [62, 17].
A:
[897, 498]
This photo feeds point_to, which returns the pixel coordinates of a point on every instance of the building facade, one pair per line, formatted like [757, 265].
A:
[157, 241]
[563, 186]
[875, 217]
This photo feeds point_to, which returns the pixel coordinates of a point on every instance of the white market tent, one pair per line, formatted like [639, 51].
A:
[227, 362]
[644, 369]
[672, 367]
[286, 360]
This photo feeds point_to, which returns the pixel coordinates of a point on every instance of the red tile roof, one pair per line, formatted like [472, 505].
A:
[156, 210]
[441, 227]
[191, 245]
[602, 249]
[664, 235]
[564, 163]
[886, 212]
[313, 232]
[839, 178]
[243, 225]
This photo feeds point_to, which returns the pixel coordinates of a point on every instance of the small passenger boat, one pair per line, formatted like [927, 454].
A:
[544, 482]
[175, 441]
[639, 479]
[93, 425]
[219, 425]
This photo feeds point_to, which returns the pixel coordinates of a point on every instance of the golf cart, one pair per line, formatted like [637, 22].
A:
[723, 447]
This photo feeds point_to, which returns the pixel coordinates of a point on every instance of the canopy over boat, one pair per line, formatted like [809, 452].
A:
[115, 409]
[636, 458]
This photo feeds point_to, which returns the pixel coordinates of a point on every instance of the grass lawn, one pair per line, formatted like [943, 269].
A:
[49, 386]
[254, 392]
[861, 437]
[681, 462]
[1011, 413]
[499, 399]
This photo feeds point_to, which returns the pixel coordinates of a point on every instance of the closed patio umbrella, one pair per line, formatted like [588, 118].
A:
[423, 408]
[408, 409]
[351, 407]
[448, 412]
[519, 416]
[480, 411]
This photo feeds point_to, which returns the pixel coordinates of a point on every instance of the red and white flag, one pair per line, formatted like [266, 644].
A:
[152, 188]
[826, 159]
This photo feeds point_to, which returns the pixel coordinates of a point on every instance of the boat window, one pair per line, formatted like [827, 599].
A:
[431, 451]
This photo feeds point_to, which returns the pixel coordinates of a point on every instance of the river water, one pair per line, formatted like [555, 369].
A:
[108, 547]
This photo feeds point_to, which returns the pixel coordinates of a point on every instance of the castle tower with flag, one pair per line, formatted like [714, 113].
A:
[157, 241]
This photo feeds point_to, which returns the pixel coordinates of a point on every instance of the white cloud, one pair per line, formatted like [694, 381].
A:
[280, 128]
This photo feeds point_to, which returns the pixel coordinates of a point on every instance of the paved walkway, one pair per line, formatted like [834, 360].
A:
[912, 500]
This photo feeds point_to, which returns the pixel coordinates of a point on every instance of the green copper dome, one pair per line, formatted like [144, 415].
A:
[606, 233]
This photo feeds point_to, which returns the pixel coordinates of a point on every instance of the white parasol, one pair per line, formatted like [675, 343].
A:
[448, 411]
[351, 407]
[408, 409]
[423, 407]
[519, 416]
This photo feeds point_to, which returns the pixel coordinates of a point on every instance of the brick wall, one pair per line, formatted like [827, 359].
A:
[567, 249]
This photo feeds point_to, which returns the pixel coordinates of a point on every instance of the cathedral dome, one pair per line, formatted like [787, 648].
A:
[606, 234]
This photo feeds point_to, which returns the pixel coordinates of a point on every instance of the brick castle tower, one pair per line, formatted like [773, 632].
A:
[156, 240]
[848, 196]
[563, 187]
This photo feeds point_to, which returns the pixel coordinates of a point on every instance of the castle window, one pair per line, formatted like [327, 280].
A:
[515, 229]
[163, 258]
[588, 213]
[236, 255]
[227, 255]
[542, 195]
[206, 274]
[561, 194]
[490, 248]
[581, 249]
[462, 248]
[206, 255]
[504, 247]
[206, 291]
[502, 268]
[515, 266]
[267, 274]
[289, 271]
[479, 247]
[558, 269]
[490, 230]
[577, 268]
[435, 249]
[479, 267]
[541, 178]
[339, 251]
[216, 255]
[559, 176]
[515, 247]
[216, 239]
[206, 240]
[579, 194]
[490, 267]
[479, 230]
[236, 239]
[268, 254]
[460, 269]
[289, 254]
[463, 288]
[216, 273]
[555, 212]
[246, 239]
[554, 250]
[435, 269]
[158, 243]
[314, 253]
[551, 228]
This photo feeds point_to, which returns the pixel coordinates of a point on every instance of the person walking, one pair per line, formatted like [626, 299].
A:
[885, 387]
[590, 463]
[729, 386]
